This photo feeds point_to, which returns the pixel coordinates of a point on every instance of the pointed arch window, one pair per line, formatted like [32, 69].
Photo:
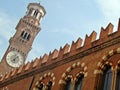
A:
[107, 78]
[78, 84]
[118, 81]
[68, 85]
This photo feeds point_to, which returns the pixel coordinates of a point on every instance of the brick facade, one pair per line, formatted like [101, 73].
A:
[71, 61]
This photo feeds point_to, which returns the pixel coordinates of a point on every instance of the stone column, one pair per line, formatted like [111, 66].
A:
[114, 77]
[98, 80]
[73, 85]
[62, 84]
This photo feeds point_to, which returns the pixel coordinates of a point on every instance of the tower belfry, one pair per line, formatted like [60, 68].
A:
[21, 43]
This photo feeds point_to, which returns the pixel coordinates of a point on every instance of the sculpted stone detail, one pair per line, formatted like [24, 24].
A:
[105, 61]
[42, 83]
[80, 68]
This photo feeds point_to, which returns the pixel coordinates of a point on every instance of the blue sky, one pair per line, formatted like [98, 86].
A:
[65, 21]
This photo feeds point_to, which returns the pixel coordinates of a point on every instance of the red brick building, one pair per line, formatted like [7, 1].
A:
[93, 66]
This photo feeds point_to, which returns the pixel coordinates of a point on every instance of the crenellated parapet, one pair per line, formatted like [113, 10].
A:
[66, 53]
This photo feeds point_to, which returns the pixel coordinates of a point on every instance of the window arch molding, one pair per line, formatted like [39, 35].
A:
[67, 74]
[27, 30]
[78, 81]
[50, 83]
[69, 80]
[106, 60]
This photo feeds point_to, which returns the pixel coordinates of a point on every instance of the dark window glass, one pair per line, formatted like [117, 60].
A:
[40, 87]
[78, 85]
[118, 81]
[35, 13]
[49, 86]
[68, 85]
[25, 36]
[107, 78]
[22, 33]
[28, 37]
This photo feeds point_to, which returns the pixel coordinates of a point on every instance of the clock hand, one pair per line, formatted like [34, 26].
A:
[14, 59]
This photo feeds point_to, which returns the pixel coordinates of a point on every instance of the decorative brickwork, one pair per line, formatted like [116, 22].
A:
[43, 82]
[69, 62]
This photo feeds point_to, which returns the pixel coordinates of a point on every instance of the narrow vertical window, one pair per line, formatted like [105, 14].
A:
[28, 37]
[22, 33]
[25, 35]
[49, 86]
[118, 81]
[107, 78]
[35, 13]
[40, 87]
[68, 85]
[78, 84]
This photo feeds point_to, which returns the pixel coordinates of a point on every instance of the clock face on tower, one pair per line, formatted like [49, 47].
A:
[14, 59]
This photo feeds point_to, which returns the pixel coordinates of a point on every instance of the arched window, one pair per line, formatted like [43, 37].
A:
[107, 78]
[78, 84]
[68, 85]
[40, 87]
[25, 35]
[118, 81]
[49, 86]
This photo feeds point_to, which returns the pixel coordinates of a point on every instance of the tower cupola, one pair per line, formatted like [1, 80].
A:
[35, 11]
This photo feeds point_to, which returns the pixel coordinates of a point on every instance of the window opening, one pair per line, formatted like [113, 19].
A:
[68, 85]
[78, 84]
[35, 13]
[118, 81]
[28, 37]
[107, 78]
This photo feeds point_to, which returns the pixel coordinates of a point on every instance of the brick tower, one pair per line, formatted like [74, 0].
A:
[20, 44]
